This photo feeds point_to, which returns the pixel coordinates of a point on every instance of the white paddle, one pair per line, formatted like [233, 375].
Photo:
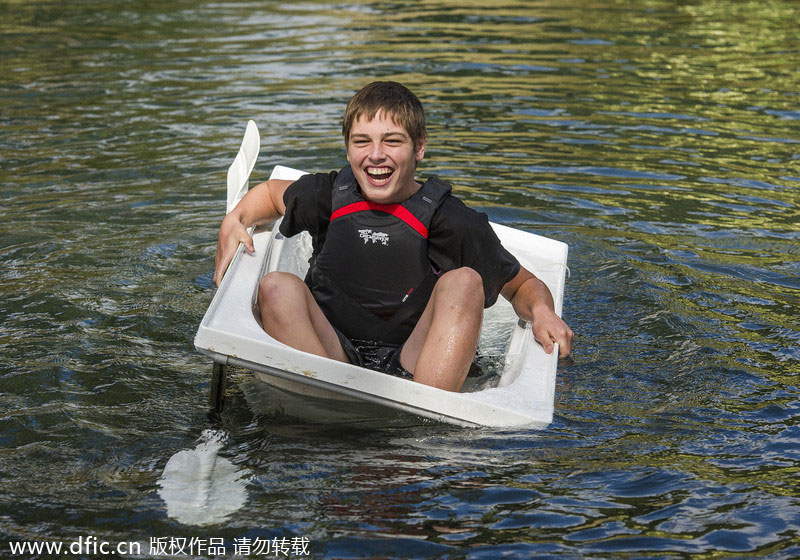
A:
[242, 166]
[238, 176]
[200, 487]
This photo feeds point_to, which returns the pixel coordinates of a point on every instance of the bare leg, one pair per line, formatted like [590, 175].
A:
[443, 344]
[290, 315]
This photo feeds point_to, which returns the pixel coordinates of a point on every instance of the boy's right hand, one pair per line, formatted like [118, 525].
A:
[231, 233]
[261, 205]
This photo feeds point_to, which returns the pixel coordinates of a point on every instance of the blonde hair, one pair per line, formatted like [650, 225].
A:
[394, 100]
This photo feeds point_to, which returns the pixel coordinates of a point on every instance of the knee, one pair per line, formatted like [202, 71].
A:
[277, 290]
[464, 284]
[464, 278]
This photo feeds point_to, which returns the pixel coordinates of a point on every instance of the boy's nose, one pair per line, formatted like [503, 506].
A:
[377, 152]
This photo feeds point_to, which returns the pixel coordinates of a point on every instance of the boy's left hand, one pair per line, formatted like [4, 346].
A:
[549, 328]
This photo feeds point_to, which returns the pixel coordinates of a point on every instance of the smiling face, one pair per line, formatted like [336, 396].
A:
[383, 158]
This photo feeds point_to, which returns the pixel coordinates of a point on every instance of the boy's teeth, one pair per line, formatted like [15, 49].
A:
[379, 172]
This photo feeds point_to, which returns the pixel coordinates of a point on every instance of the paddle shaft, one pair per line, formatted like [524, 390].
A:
[219, 375]
[238, 175]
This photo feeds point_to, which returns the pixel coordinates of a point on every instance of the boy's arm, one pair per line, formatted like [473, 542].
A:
[261, 205]
[533, 302]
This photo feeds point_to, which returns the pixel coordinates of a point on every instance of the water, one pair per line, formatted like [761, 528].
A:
[659, 139]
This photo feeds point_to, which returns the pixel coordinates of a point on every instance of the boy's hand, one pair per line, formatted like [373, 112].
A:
[549, 328]
[533, 302]
[231, 233]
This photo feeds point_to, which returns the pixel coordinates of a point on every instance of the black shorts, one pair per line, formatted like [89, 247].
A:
[374, 355]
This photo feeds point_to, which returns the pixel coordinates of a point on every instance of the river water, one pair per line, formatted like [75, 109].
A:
[659, 139]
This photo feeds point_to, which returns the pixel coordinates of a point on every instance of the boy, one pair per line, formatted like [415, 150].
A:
[400, 271]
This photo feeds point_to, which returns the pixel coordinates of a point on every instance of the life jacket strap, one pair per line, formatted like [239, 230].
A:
[396, 210]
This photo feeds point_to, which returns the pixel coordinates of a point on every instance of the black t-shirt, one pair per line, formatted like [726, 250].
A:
[458, 235]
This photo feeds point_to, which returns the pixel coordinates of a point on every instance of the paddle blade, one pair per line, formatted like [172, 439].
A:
[242, 166]
[200, 487]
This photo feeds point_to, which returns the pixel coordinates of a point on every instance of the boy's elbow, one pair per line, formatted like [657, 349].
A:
[512, 288]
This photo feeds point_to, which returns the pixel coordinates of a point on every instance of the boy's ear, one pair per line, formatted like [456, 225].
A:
[420, 152]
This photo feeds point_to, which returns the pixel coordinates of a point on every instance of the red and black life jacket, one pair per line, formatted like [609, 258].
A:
[373, 277]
